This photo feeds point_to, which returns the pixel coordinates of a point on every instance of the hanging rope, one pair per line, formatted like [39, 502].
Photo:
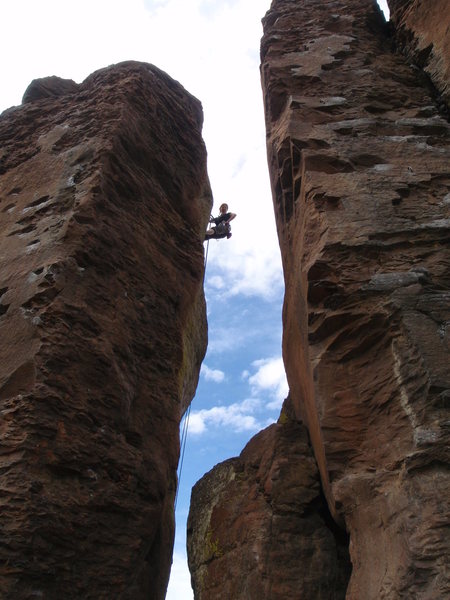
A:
[207, 248]
[206, 259]
[184, 431]
[182, 449]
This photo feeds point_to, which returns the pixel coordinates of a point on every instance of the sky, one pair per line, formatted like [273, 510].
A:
[212, 48]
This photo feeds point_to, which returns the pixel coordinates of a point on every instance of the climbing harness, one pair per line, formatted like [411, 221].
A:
[184, 433]
[221, 230]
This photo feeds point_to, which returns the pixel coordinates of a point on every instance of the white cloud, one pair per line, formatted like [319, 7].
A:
[216, 282]
[226, 339]
[237, 417]
[196, 423]
[268, 387]
[212, 374]
[180, 579]
[270, 376]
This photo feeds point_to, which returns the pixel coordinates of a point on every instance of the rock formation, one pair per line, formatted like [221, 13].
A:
[104, 199]
[49, 87]
[423, 33]
[359, 163]
[255, 518]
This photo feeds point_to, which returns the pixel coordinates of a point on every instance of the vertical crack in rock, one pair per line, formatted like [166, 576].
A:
[104, 198]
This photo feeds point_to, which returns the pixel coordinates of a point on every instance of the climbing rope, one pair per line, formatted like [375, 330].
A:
[182, 449]
[207, 248]
[185, 428]
[206, 258]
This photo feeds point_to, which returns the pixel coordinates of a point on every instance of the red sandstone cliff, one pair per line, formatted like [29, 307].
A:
[104, 198]
[359, 163]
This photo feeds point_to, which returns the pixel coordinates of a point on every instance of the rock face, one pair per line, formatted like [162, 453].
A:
[423, 32]
[48, 87]
[104, 199]
[359, 157]
[359, 163]
[259, 526]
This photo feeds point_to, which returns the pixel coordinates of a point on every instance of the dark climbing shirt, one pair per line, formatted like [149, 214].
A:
[221, 218]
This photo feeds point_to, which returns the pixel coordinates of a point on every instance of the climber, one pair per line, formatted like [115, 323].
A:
[222, 222]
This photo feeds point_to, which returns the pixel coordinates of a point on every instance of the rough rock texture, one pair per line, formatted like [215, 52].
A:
[259, 526]
[359, 163]
[104, 199]
[423, 33]
[49, 87]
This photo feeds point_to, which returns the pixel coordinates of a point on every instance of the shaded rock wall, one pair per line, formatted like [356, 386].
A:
[49, 87]
[259, 526]
[358, 157]
[104, 199]
[423, 33]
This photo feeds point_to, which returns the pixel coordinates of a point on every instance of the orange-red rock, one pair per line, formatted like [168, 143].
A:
[359, 163]
[259, 526]
[423, 33]
[104, 199]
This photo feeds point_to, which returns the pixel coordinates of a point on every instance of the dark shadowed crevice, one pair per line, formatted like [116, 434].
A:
[342, 541]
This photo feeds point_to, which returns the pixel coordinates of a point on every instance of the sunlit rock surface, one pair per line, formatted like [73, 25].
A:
[104, 199]
[423, 33]
[358, 150]
[359, 162]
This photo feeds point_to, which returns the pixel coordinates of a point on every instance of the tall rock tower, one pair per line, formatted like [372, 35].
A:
[104, 198]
